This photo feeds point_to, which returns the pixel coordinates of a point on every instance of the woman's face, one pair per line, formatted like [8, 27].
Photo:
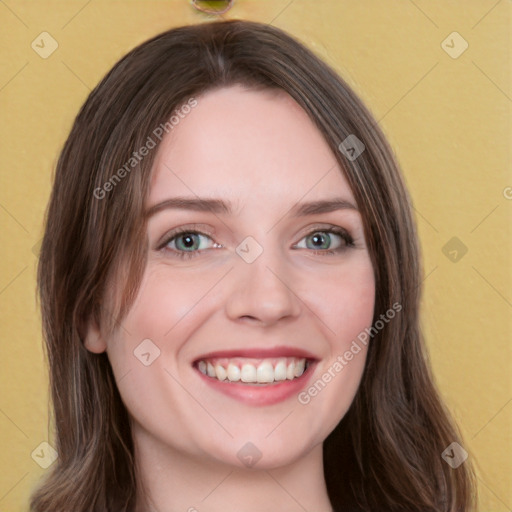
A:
[273, 270]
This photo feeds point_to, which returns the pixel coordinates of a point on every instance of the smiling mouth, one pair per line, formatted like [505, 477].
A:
[251, 371]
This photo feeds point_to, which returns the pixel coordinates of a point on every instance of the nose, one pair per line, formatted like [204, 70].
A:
[262, 291]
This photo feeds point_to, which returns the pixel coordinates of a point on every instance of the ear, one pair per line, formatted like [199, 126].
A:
[93, 339]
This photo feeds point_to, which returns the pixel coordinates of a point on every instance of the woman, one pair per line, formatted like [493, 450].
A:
[230, 288]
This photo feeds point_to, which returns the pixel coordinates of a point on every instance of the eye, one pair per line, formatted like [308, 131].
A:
[187, 243]
[327, 241]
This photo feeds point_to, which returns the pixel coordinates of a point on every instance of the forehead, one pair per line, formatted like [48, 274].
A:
[247, 146]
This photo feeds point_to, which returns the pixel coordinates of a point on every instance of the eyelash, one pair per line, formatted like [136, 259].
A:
[349, 242]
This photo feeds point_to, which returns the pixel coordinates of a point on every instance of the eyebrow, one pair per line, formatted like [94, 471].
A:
[220, 206]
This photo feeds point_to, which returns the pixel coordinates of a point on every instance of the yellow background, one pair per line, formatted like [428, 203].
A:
[448, 120]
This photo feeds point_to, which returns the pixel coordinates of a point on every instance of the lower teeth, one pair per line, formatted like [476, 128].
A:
[255, 384]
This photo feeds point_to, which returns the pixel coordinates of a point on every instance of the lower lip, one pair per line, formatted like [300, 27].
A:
[264, 394]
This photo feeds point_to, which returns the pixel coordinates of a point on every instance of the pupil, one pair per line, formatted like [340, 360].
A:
[188, 241]
[319, 239]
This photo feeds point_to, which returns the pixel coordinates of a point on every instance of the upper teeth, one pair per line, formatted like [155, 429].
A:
[266, 371]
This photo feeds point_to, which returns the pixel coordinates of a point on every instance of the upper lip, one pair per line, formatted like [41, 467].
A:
[259, 353]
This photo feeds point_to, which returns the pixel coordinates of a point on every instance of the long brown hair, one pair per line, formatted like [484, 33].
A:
[385, 454]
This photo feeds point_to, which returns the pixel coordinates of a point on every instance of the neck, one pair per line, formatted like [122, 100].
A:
[170, 479]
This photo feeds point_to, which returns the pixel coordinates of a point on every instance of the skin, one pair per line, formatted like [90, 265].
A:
[260, 151]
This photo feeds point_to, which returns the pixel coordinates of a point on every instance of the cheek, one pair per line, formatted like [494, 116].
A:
[145, 347]
[346, 308]
[345, 301]
[166, 298]
[166, 304]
